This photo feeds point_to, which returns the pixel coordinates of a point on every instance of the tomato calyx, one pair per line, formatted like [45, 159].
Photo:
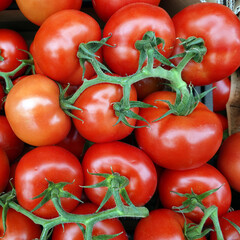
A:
[1, 57]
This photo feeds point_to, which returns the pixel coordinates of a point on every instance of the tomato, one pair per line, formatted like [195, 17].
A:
[198, 180]
[37, 11]
[228, 160]
[128, 161]
[98, 115]
[50, 163]
[128, 25]
[4, 4]
[73, 232]
[11, 182]
[221, 94]
[19, 227]
[56, 45]
[33, 111]
[105, 13]
[178, 142]
[4, 170]
[161, 224]
[229, 232]
[223, 120]
[11, 44]
[12, 145]
[219, 27]
[2, 95]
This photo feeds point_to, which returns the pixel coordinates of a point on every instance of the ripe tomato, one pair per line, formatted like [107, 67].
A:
[56, 45]
[5, 4]
[161, 224]
[223, 120]
[73, 232]
[98, 114]
[221, 94]
[178, 142]
[19, 226]
[229, 232]
[12, 145]
[10, 44]
[4, 170]
[105, 9]
[128, 25]
[198, 180]
[128, 161]
[220, 29]
[228, 161]
[37, 11]
[50, 163]
[33, 111]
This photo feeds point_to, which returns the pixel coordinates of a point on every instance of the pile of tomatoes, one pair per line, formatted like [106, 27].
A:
[46, 138]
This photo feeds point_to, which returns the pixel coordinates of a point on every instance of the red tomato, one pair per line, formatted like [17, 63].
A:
[37, 11]
[228, 161]
[4, 170]
[178, 142]
[223, 120]
[128, 161]
[56, 45]
[33, 111]
[11, 182]
[5, 4]
[161, 224]
[128, 25]
[98, 114]
[221, 94]
[12, 145]
[220, 29]
[105, 9]
[198, 180]
[19, 226]
[10, 44]
[50, 163]
[73, 232]
[229, 232]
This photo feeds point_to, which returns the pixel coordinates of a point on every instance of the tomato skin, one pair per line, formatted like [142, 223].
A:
[229, 232]
[220, 29]
[174, 141]
[105, 13]
[221, 94]
[228, 160]
[223, 120]
[73, 232]
[199, 180]
[128, 25]
[98, 114]
[161, 224]
[4, 170]
[56, 44]
[4, 4]
[37, 11]
[19, 226]
[55, 164]
[10, 43]
[128, 161]
[33, 111]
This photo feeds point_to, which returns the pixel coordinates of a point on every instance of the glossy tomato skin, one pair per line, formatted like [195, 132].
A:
[219, 27]
[37, 11]
[19, 226]
[4, 4]
[228, 160]
[10, 44]
[56, 44]
[178, 142]
[33, 111]
[128, 25]
[4, 170]
[229, 232]
[199, 180]
[98, 115]
[55, 164]
[105, 227]
[12, 145]
[128, 161]
[105, 9]
[161, 224]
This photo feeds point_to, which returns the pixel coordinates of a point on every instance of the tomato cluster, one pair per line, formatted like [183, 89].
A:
[96, 97]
